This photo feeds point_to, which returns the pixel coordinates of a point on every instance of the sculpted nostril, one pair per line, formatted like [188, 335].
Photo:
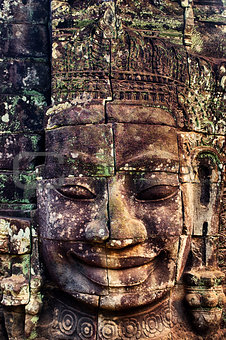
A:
[96, 231]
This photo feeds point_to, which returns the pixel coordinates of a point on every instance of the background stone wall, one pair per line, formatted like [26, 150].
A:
[24, 95]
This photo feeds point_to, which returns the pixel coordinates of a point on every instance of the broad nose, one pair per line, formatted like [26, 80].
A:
[97, 231]
[125, 229]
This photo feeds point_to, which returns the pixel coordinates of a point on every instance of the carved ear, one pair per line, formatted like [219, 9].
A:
[206, 179]
[203, 282]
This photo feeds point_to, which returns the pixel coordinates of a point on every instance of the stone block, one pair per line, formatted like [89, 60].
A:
[76, 150]
[19, 151]
[221, 259]
[24, 40]
[135, 113]
[154, 323]
[76, 276]
[183, 253]
[24, 76]
[188, 207]
[5, 266]
[206, 209]
[167, 16]
[17, 188]
[204, 251]
[22, 113]
[146, 148]
[29, 11]
[208, 28]
[16, 287]
[17, 210]
[75, 113]
[15, 234]
[77, 207]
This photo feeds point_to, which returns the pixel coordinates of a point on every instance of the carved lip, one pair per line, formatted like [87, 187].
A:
[121, 260]
[135, 270]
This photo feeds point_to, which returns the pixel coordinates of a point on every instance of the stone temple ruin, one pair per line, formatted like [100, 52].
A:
[112, 201]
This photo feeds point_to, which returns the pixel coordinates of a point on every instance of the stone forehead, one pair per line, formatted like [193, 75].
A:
[90, 111]
[102, 149]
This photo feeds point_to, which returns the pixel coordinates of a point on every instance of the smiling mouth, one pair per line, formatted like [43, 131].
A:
[112, 270]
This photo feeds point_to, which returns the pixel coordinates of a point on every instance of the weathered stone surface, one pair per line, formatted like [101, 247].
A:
[165, 18]
[17, 188]
[70, 199]
[19, 151]
[15, 236]
[17, 210]
[208, 35]
[34, 11]
[15, 287]
[14, 320]
[33, 308]
[146, 148]
[206, 214]
[23, 40]
[24, 76]
[74, 278]
[72, 147]
[24, 94]
[151, 324]
[75, 113]
[68, 319]
[183, 327]
[133, 113]
[2, 326]
[203, 104]
[5, 266]
[136, 202]
[15, 290]
[22, 113]
[199, 152]
[85, 69]
[205, 298]
[203, 251]
[151, 72]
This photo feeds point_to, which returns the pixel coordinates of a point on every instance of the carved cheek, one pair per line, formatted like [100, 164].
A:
[65, 219]
[161, 218]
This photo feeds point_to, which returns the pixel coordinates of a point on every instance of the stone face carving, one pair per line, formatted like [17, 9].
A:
[116, 233]
[130, 193]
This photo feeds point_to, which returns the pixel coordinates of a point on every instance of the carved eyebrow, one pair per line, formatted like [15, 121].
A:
[163, 156]
[149, 162]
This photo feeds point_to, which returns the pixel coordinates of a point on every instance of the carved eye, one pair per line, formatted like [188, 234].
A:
[76, 192]
[157, 193]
